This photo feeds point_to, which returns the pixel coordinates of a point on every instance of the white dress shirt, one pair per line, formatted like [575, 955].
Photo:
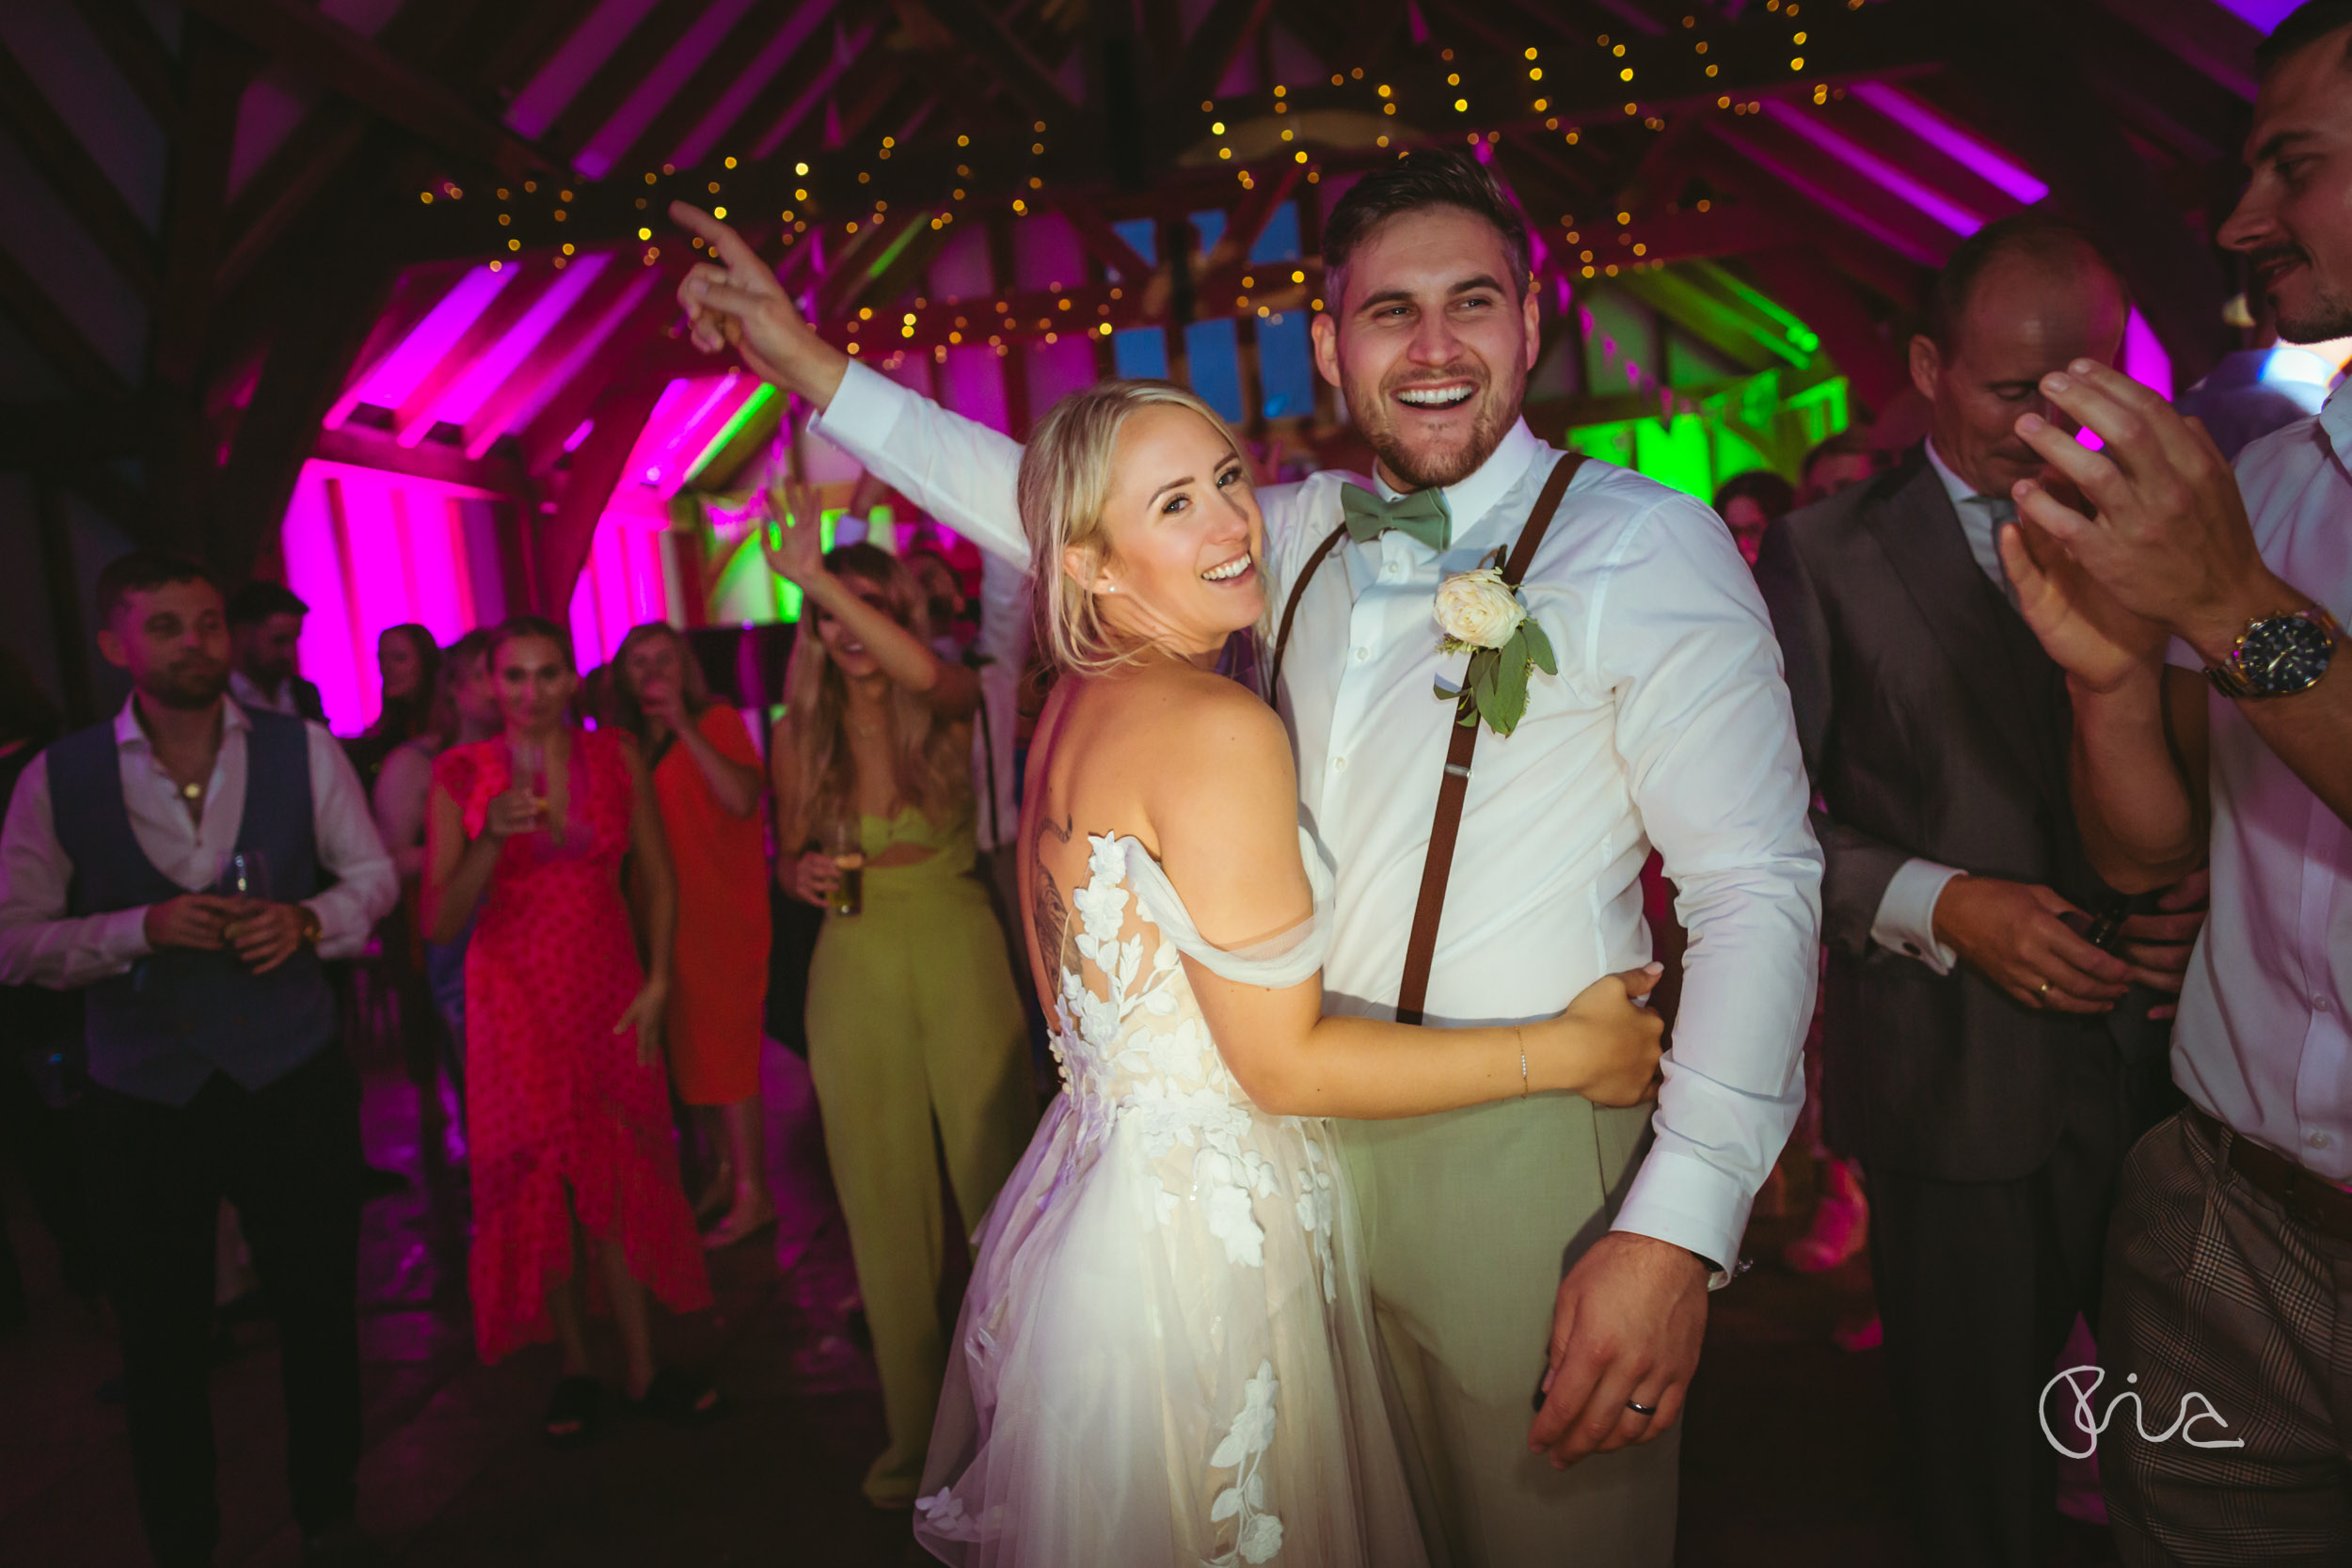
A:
[1004, 648]
[1905, 922]
[42, 944]
[1668, 724]
[2260, 1043]
[247, 690]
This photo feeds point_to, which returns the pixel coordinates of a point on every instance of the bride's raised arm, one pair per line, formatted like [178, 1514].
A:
[1225, 812]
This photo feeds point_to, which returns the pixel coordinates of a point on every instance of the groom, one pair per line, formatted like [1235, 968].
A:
[1540, 1241]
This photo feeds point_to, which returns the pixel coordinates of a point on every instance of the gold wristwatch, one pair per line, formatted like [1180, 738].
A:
[314, 928]
[2277, 655]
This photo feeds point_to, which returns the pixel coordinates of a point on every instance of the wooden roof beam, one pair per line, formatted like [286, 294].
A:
[597, 470]
[759, 26]
[218, 69]
[2213, 40]
[795, 93]
[601, 96]
[1210, 52]
[1838, 188]
[1002, 52]
[567, 337]
[413, 419]
[286, 184]
[436, 460]
[646, 327]
[424, 33]
[131, 42]
[54, 336]
[88, 191]
[1102, 242]
[342, 60]
[413, 298]
[1866, 260]
[2095, 176]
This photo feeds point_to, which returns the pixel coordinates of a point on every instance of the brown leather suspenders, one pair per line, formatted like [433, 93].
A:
[1422, 946]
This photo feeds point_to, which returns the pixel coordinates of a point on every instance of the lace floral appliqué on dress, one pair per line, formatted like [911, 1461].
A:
[1165, 1357]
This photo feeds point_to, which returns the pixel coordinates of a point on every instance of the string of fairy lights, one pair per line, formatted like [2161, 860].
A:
[1294, 132]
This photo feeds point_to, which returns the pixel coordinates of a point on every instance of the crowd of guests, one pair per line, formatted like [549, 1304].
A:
[2079, 773]
[569, 905]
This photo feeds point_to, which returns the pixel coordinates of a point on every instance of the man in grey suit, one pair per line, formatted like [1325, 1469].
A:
[1988, 1063]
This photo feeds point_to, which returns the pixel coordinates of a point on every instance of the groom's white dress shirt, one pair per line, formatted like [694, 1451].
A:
[1668, 724]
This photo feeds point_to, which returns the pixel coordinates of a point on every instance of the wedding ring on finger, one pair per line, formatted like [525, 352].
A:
[2041, 991]
[1640, 1409]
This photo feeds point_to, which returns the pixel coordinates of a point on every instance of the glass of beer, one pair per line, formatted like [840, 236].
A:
[849, 857]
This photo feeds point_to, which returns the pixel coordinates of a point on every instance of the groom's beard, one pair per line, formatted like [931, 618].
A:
[1439, 460]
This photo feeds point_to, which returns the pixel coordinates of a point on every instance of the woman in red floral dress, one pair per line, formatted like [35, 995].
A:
[569, 1111]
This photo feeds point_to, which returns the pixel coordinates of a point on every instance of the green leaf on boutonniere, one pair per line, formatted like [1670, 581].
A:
[1509, 702]
[1539, 646]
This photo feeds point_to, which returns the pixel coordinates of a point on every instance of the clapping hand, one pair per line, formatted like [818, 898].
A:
[2099, 643]
[792, 541]
[2167, 537]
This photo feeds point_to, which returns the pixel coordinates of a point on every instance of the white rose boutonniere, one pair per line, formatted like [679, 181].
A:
[1483, 616]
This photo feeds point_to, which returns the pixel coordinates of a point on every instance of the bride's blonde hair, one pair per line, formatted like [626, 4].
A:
[1065, 484]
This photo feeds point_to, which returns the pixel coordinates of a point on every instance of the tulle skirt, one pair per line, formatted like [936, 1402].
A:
[1165, 1357]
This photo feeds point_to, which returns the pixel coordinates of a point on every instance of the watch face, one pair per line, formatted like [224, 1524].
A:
[2285, 654]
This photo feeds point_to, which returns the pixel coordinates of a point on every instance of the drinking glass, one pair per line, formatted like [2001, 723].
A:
[243, 874]
[849, 857]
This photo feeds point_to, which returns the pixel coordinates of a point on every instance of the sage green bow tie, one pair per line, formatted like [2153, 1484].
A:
[1420, 516]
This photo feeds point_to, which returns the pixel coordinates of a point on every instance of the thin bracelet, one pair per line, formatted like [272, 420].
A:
[1521, 1040]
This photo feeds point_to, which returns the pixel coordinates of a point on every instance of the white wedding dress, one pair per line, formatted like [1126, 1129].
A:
[1164, 1358]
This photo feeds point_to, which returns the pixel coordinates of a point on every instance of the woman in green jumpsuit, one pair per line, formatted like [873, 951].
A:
[916, 1036]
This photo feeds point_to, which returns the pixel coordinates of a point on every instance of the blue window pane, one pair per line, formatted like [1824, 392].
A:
[1143, 234]
[1141, 353]
[1279, 240]
[1286, 371]
[1216, 366]
[1209, 226]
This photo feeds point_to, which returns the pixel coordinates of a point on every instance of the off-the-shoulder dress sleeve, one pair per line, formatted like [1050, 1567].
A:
[1276, 962]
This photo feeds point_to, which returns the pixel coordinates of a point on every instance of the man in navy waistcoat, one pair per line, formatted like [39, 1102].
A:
[211, 1034]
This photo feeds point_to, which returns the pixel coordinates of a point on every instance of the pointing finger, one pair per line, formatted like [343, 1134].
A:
[720, 236]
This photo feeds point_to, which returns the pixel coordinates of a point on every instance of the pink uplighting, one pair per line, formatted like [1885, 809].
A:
[1894, 181]
[1950, 140]
[466, 395]
[2144, 359]
[413, 360]
[625, 583]
[368, 549]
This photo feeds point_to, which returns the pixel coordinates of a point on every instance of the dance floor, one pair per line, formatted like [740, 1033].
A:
[1789, 1455]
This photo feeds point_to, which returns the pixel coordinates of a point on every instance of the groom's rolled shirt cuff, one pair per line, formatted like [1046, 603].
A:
[1688, 1202]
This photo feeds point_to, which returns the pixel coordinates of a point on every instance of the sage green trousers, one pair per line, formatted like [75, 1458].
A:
[1470, 1219]
[919, 1056]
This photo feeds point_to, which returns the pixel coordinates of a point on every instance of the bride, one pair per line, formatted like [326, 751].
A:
[1166, 1354]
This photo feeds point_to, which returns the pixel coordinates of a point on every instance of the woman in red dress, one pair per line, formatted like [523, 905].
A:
[708, 781]
[569, 1115]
